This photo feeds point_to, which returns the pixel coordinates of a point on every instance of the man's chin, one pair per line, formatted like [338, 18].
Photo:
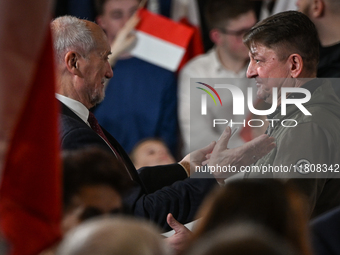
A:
[260, 96]
[266, 99]
[97, 100]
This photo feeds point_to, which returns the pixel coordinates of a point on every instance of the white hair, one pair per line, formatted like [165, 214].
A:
[71, 33]
[241, 238]
[116, 235]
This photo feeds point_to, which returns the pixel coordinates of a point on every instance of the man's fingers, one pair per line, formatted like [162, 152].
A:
[223, 141]
[205, 162]
[209, 148]
[261, 146]
[174, 224]
[132, 22]
[130, 40]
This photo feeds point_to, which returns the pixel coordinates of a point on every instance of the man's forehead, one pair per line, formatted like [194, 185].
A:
[99, 36]
[116, 5]
[103, 47]
[243, 21]
[260, 49]
[254, 48]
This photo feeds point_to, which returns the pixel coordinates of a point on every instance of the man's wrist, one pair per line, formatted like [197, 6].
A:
[186, 166]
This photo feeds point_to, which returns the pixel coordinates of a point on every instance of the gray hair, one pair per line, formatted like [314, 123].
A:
[117, 235]
[241, 238]
[71, 33]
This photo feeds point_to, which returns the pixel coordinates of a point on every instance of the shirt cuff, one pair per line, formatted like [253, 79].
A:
[186, 167]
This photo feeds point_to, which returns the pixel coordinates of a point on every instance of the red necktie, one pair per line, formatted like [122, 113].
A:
[96, 127]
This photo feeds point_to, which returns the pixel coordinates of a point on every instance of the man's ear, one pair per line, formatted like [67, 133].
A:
[71, 61]
[317, 8]
[296, 65]
[215, 36]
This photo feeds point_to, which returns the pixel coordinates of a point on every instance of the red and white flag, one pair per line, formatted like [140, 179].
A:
[186, 12]
[30, 191]
[160, 40]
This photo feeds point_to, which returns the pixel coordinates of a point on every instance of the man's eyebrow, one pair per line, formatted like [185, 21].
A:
[113, 12]
[106, 53]
[134, 8]
[253, 53]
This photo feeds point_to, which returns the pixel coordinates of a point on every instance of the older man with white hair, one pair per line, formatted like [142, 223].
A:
[120, 236]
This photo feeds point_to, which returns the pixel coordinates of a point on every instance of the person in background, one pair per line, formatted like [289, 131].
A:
[118, 235]
[325, 15]
[326, 233]
[241, 239]
[228, 21]
[93, 185]
[143, 95]
[151, 152]
[278, 207]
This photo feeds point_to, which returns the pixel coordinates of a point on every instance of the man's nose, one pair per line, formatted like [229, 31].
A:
[109, 72]
[251, 71]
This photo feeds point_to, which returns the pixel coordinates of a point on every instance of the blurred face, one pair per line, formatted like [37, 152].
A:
[152, 153]
[265, 64]
[103, 198]
[95, 70]
[231, 35]
[116, 13]
[91, 201]
[303, 6]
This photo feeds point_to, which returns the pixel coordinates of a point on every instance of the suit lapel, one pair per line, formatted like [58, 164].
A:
[127, 162]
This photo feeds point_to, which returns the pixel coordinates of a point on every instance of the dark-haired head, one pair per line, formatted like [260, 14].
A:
[287, 33]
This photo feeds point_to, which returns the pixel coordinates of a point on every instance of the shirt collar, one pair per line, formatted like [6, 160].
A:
[77, 107]
[216, 60]
[218, 66]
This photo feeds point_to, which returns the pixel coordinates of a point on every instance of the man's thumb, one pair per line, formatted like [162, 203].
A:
[173, 223]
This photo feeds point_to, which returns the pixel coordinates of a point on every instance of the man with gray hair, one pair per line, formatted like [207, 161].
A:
[120, 236]
[82, 52]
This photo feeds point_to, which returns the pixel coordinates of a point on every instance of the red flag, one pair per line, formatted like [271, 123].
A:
[30, 193]
[160, 40]
[195, 46]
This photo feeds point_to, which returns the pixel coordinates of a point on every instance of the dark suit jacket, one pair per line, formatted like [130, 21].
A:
[326, 233]
[157, 191]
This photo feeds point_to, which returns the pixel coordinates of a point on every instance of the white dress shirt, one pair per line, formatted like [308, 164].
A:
[77, 107]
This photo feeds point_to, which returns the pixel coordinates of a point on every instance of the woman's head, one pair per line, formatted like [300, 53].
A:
[273, 204]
